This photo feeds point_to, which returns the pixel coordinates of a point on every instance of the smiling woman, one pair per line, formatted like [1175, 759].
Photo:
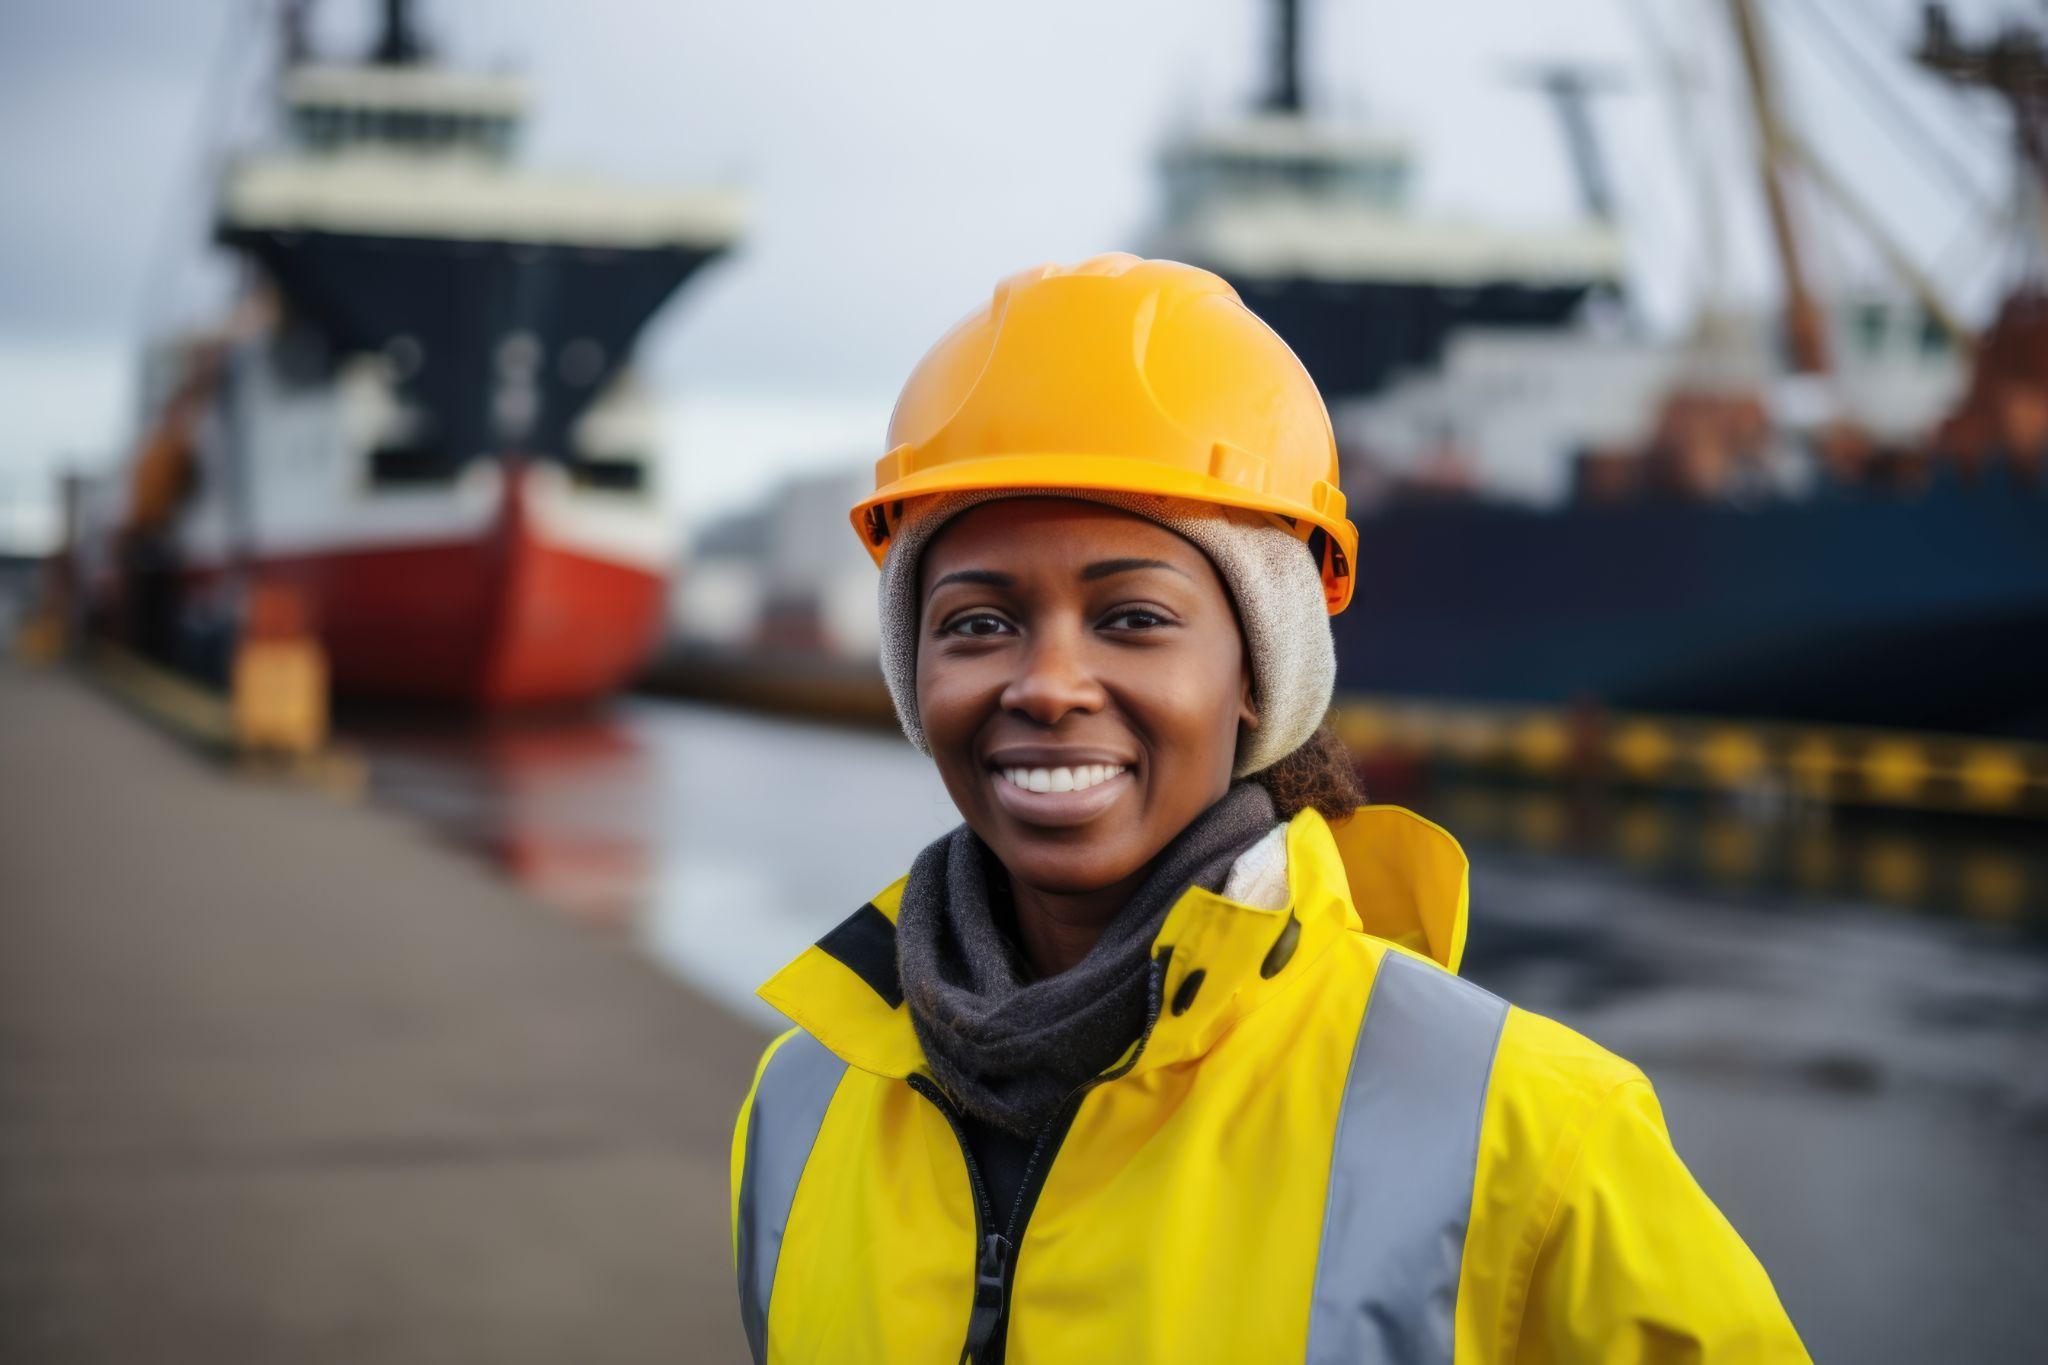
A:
[1061, 639]
[1161, 1053]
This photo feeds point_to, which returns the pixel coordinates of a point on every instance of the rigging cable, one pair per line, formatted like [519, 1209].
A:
[1854, 68]
[208, 144]
[1677, 79]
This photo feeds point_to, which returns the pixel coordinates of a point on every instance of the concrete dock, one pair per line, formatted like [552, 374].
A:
[282, 1078]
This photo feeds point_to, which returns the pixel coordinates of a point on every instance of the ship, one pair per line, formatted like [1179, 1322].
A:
[419, 421]
[1838, 515]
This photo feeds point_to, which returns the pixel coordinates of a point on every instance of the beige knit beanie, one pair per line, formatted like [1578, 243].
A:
[1271, 576]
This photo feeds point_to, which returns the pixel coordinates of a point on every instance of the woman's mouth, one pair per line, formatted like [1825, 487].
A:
[1059, 796]
[1060, 779]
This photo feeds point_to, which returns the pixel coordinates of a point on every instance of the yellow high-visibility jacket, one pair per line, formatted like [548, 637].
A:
[1327, 1148]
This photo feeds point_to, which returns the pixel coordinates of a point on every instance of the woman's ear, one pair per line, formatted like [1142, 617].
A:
[1247, 704]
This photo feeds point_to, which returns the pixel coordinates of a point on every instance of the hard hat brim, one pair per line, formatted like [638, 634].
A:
[874, 518]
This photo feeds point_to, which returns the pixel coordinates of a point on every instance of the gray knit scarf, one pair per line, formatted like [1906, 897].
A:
[1010, 1049]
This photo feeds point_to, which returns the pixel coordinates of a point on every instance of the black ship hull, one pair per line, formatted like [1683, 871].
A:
[461, 318]
[1928, 612]
[1355, 336]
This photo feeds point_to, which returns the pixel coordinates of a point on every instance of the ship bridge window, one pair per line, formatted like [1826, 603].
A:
[319, 126]
[489, 134]
[496, 134]
[1380, 180]
[1372, 179]
[328, 126]
[1873, 322]
[1934, 339]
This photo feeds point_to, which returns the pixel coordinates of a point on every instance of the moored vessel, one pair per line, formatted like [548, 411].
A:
[1836, 514]
[421, 418]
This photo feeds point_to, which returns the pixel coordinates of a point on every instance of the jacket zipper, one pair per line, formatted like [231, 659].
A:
[995, 1257]
[992, 1255]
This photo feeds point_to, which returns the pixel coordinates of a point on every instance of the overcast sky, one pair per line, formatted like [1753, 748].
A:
[900, 155]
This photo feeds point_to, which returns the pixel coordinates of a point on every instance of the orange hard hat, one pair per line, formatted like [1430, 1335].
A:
[1126, 374]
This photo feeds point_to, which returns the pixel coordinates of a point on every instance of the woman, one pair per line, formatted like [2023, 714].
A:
[1160, 1054]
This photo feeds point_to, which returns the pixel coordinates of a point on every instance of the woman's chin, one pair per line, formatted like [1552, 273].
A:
[1066, 866]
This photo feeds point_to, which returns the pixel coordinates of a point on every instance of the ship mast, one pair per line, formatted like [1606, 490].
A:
[398, 41]
[1570, 89]
[295, 46]
[1283, 95]
[399, 44]
[1803, 324]
[1794, 150]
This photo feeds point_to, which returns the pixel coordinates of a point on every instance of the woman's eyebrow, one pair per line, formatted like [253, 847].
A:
[986, 577]
[1103, 568]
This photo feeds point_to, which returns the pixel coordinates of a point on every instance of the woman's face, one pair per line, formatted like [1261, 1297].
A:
[1081, 679]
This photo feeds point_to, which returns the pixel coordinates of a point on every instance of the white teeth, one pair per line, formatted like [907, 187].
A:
[1061, 779]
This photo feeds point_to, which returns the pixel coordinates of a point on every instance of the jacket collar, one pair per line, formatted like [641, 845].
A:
[1382, 871]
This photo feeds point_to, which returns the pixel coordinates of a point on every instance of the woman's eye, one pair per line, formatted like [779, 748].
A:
[978, 626]
[1137, 618]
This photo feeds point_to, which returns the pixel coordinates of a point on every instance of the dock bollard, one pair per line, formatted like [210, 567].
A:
[278, 690]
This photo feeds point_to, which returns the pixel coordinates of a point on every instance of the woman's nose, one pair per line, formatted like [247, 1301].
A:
[1053, 678]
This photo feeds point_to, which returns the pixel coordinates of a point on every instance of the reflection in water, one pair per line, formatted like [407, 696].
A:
[723, 841]
[1864, 1092]
[560, 807]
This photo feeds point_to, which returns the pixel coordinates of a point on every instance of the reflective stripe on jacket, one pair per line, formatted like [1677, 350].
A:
[1327, 1148]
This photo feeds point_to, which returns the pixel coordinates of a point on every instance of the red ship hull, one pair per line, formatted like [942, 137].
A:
[507, 619]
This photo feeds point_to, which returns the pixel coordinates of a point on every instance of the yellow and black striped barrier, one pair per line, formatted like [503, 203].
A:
[1978, 871]
[1830, 765]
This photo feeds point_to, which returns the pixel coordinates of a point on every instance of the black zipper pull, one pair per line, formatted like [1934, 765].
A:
[991, 1280]
[994, 1265]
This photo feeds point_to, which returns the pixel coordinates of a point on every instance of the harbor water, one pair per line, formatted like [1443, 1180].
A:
[1861, 1087]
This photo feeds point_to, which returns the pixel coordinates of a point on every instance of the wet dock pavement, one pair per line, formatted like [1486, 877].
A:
[285, 1079]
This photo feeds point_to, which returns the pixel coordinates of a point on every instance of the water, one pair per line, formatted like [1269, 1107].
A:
[723, 842]
[1863, 1091]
